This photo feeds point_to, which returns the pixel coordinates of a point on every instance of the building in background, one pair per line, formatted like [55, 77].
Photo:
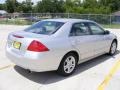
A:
[2, 13]
[116, 16]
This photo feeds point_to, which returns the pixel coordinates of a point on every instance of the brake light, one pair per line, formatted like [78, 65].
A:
[37, 46]
[17, 36]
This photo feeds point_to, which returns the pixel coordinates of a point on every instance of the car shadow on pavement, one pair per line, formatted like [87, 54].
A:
[52, 77]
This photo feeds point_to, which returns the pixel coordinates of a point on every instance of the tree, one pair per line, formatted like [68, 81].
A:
[63, 6]
[2, 7]
[50, 6]
[45, 6]
[69, 6]
[26, 6]
[90, 6]
[11, 5]
[114, 5]
[58, 6]
[90, 3]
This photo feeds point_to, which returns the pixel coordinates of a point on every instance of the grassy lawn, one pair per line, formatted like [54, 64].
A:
[15, 22]
[116, 26]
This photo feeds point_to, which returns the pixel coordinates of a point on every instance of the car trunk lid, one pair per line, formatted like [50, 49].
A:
[18, 42]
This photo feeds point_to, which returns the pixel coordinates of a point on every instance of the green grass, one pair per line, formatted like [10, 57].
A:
[116, 26]
[15, 22]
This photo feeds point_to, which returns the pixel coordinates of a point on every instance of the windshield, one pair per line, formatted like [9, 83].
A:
[44, 27]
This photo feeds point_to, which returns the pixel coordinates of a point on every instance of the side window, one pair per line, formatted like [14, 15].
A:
[79, 29]
[96, 30]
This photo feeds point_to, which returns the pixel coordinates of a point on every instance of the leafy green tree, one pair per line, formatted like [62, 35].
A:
[2, 7]
[114, 5]
[26, 6]
[50, 6]
[63, 6]
[69, 6]
[11, 5]
[44, 6]
[58, 6]
[90, 3]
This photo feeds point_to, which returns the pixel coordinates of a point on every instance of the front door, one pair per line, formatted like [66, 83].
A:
[99, 37]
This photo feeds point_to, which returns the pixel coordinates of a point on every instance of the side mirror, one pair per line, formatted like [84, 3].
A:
[107, 32]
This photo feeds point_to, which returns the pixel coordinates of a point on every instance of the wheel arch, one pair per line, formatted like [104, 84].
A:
[59, 70]
[115, 40]
[72, 51]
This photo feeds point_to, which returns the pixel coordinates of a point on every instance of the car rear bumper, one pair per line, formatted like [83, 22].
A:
[37, 62]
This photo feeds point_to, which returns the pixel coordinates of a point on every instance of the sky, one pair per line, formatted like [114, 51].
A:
[2, 1]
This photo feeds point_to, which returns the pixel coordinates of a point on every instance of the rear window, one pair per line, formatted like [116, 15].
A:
[45, 27]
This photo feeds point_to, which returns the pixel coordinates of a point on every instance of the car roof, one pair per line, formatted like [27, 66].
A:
[68, 20]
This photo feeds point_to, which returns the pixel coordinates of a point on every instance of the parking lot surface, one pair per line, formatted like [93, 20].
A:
[101, 73]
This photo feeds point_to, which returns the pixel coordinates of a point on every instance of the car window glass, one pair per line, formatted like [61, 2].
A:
[45, 27]
[96, 29]
[79, 29]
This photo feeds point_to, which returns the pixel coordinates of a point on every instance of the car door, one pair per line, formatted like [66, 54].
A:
[99, 36]
[82, 40]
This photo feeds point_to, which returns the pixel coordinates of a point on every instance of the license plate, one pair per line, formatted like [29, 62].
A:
[16, 45]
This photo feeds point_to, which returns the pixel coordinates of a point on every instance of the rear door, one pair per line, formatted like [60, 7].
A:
[81, 39]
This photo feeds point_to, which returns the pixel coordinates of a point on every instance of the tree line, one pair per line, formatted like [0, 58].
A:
[62, 6]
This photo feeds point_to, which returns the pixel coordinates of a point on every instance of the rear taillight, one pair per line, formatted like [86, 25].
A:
[17, 36]
[37, 46]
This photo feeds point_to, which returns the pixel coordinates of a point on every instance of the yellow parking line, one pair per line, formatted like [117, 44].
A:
[4, 67]
[105, 82]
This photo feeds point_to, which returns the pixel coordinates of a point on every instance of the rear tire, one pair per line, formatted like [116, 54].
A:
[68, 64]
[113, 48]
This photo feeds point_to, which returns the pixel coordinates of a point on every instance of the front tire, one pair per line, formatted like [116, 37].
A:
[113, 48]
[68, 64]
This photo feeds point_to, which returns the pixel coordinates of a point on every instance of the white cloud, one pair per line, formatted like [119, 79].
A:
[2, 1]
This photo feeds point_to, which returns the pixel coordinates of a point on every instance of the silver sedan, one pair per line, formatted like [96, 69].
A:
[59, 44]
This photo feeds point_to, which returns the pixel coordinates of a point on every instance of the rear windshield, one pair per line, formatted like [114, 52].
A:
[44, 27]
